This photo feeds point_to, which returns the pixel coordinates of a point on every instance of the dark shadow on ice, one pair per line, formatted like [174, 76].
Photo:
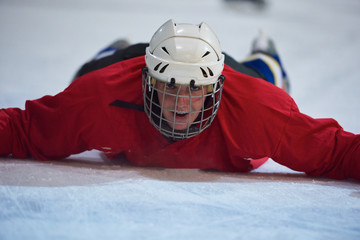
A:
[82, 171]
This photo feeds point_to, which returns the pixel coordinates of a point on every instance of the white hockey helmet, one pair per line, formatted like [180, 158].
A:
[183, 55]
[185, 52]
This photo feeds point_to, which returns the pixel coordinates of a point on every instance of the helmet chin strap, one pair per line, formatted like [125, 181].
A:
[192, 129]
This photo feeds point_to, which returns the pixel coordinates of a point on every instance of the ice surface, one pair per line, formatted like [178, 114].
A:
[43, 43]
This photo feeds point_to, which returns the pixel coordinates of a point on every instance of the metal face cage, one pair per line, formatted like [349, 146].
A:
[180, 111]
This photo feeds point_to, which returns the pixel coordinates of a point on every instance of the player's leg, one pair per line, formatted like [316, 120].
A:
[263, 62]
[264, 58]
[117, 51]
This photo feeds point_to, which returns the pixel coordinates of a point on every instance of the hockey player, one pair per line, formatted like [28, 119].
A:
[185, 104]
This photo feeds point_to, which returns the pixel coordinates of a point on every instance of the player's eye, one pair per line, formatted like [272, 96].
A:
[170, 86]
[194, 88]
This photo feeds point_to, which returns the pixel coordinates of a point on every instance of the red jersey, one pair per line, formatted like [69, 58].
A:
[255, 120]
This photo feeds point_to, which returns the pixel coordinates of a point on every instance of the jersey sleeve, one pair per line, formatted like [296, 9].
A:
[77, 119]
[319, 147]
[51, 127]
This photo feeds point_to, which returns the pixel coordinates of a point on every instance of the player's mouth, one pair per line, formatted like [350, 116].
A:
[180, 115]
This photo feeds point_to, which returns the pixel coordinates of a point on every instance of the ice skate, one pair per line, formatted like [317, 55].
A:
[262, 43]
[115, 46]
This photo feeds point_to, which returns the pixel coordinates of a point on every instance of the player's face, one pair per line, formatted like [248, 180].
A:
[181, 104]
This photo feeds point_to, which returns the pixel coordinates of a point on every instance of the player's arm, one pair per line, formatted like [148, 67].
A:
[52, 126]
[319, 147]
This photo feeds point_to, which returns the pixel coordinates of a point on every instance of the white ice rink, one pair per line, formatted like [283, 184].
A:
[42, 43]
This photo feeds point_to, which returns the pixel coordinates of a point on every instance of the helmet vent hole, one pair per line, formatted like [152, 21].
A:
[165, 50]
[204, 73]
[205, 54]
[163, 68]
[210, 72]
[157, 67]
